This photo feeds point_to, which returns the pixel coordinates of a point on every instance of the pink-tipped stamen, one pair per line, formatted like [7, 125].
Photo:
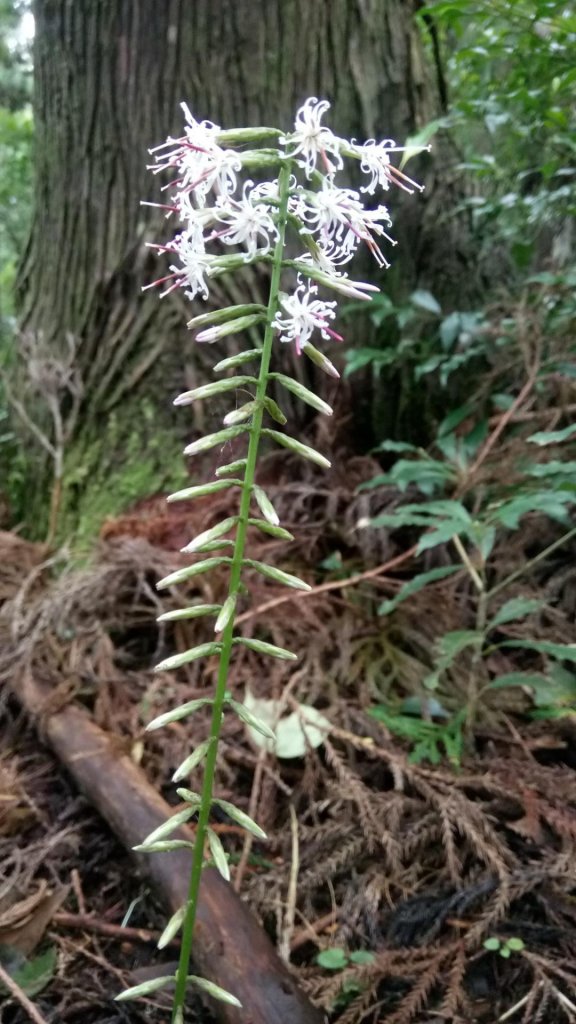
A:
[161, 280]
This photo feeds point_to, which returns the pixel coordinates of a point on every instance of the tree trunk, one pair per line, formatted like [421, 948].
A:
[109, 76]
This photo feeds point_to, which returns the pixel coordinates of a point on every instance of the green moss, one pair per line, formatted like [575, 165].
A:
[106, 472]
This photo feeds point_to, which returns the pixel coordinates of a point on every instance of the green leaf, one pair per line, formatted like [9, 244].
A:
[441, 535]
[505, 952]
[32, 976]
[163, 830]
[454, 419]
[214, 990]
[178, 713]
[203, 444]
[252, 720]
[238, 360]
[191, 762]
[304, 394]
[145, 988]
[396, 446]
[358, 358]
[209, 535]
[218, 854]
[533, 680]
[261, 647]
[550, 503]
[181, 575]
[451, 644]
[428, 474]
[492, 943]
[448, 647]
[274, 410]
[243, 819]
[227, 613]
[450, 329]
[265, 505]
[193, 612]
[425, 300]
[334, 959]
[200, 490]
[362, 956]
[416, 584]
[177, 660]
[270, 529]
[516, 608]
[296, 446]
[173, 927]
[554, 467]
[544, 437]
[278, 575]
[217, 387]
[564, 652]
[515, 944]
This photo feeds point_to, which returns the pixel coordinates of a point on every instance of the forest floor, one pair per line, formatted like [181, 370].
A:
[405, 868]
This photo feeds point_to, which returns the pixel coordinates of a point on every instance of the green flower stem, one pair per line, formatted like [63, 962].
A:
[228, 633]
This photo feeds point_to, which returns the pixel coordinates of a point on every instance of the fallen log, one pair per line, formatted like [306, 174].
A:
[230, 947]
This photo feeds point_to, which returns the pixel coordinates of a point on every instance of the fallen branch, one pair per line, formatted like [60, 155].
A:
[230, 947]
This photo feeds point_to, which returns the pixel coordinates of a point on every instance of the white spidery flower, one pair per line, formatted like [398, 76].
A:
[305, 314]
[311, 139]
[189, 249]
[247, 223]
[375, 161]
[202, 165]
[342, 222]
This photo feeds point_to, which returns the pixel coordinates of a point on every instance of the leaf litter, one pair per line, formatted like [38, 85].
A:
[416, 864]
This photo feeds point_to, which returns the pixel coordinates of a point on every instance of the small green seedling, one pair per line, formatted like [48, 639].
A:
[506, 948]
[336, 959]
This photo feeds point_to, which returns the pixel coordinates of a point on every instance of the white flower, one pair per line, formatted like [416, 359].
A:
[375, 161]
[322, 268]
[305, 315]
[202, 165]
[342, 222]
[311, 139]
[247, 222]
[195, 264]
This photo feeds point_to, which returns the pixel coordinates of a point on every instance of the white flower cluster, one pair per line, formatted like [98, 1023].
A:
[331, 221]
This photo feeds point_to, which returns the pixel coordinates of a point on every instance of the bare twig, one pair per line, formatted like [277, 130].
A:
[323, 588]
[284, 945]
[311, 930]
[89, 923]
[503, 423]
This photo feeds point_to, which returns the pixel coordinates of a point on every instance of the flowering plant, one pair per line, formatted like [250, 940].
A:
[217, 207]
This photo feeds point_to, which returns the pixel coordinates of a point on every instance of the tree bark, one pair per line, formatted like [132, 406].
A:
[109, 76]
